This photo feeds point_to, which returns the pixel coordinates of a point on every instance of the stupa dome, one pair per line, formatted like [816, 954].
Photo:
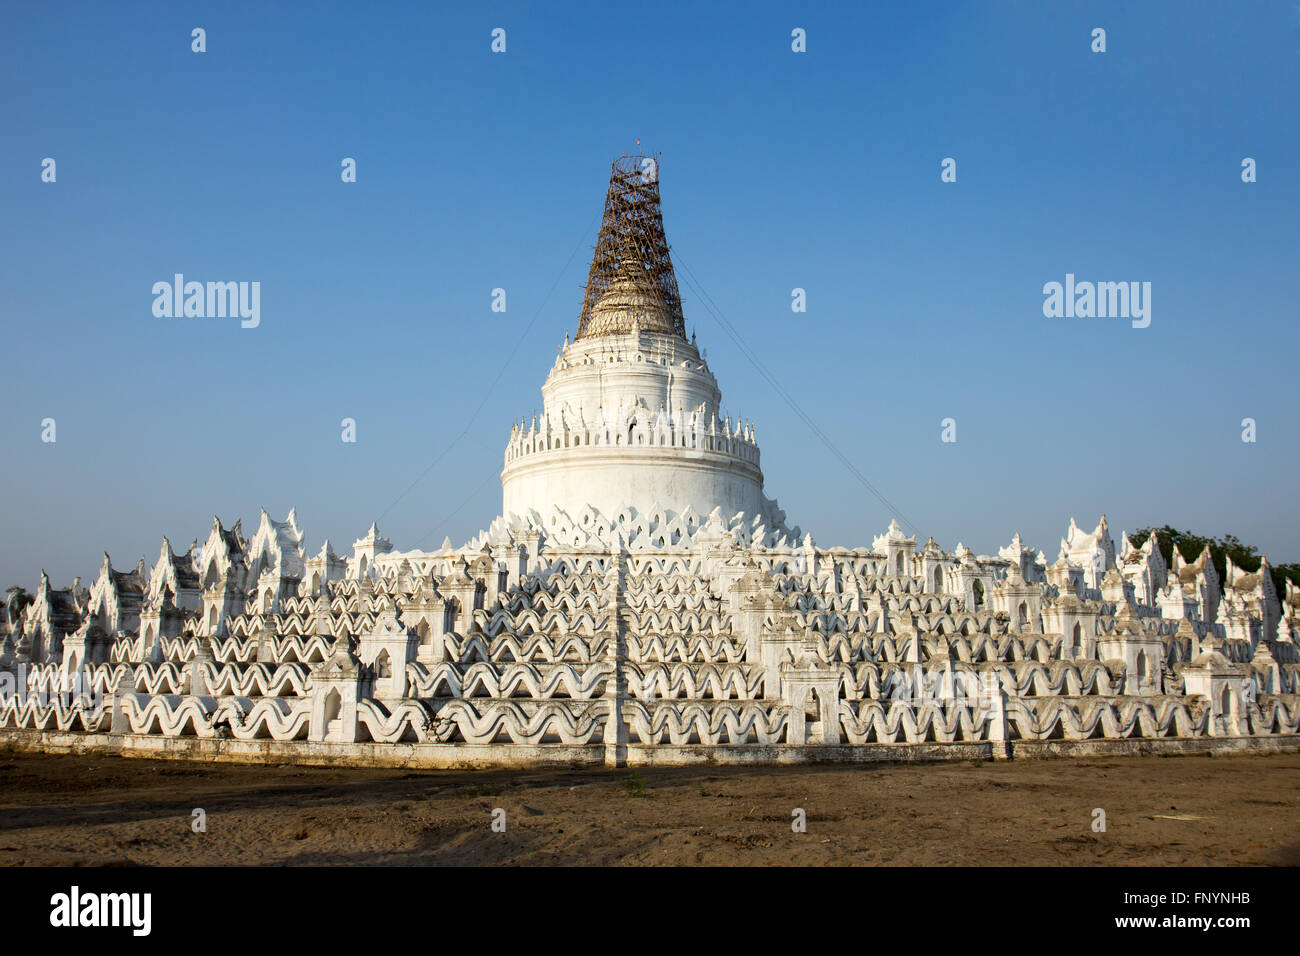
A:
[630, 303]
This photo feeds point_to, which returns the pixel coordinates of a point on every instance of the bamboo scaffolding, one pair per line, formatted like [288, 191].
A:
[631, 249]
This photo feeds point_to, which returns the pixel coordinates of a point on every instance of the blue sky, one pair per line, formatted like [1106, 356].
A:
[477, 170]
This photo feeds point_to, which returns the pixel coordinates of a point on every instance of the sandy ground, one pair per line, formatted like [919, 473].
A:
[1159, 811]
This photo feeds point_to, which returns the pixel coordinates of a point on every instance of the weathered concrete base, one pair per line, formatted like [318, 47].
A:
[307, 753]
[1134, 746]
[757, 754]
[486, 756]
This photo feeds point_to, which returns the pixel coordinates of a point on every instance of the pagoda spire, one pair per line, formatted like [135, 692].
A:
[631, 285]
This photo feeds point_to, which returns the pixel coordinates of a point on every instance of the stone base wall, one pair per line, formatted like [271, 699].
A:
[505, 756]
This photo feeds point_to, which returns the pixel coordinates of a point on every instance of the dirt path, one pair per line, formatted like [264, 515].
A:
[1159, 811]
